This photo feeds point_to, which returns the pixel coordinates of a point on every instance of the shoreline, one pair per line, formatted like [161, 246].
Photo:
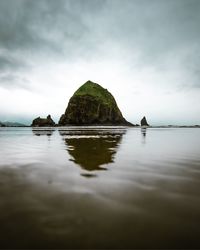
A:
[144, 127]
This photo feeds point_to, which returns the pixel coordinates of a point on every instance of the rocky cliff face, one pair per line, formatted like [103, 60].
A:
[92, 105]
[43, 122]
[144, 122]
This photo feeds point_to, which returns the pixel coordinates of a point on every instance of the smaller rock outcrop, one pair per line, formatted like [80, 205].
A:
[2, 125]
[144, 122]
[43, 122]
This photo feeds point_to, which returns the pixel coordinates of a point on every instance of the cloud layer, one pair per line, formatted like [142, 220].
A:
[145, 52]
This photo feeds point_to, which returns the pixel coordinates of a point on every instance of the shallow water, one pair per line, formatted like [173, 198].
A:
[105, 187]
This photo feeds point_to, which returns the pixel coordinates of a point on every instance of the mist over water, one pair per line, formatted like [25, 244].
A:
[99, 187]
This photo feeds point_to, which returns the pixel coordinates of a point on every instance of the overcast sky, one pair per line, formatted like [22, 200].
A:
[145, 52]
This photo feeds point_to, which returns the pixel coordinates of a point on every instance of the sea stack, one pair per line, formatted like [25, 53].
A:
[91, 104]
[43, 122]
[144, 122]
[2, 125]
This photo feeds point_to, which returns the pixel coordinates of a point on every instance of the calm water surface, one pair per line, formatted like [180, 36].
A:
[105, 187]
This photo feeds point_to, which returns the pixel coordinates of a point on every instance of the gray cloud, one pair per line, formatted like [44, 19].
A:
[164, 33]
[10, 81]
[9, 63]
[45, 25]
[66, 30]
[31, 31]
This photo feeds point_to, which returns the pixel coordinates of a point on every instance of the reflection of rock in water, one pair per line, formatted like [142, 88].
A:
[90, 153]
[93, 151]
[143, 132]
[39, 132]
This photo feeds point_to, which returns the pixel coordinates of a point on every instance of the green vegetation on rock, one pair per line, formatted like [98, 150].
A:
[93, 89]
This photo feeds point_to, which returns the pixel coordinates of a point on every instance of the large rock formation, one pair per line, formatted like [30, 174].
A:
[43, 122]
[144, 122]
[92, 105]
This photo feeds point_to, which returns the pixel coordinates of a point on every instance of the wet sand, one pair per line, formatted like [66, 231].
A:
[99, 188]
